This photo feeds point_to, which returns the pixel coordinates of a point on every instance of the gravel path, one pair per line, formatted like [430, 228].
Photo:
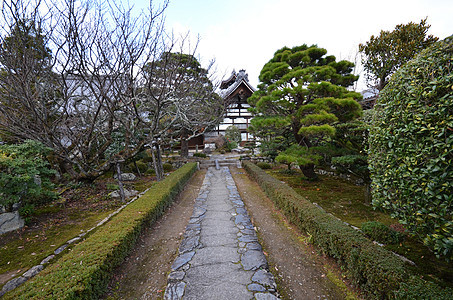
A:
[220, 257]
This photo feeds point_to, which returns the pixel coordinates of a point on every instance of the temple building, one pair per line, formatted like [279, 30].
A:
[235, 91]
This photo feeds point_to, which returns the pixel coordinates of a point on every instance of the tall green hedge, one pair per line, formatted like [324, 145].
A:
[411, 147]
[85, 271]
[378, 272]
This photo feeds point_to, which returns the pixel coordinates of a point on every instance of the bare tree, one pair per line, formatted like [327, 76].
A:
[187, 92]
[103, 86]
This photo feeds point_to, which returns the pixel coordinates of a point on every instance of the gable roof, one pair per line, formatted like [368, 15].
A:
[240, 79]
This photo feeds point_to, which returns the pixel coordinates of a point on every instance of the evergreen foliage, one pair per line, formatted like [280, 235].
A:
[348, 154]
[381, 233]
[85, 271]
[233, 134]
[386, 53]
[378, 272]
[27, 84]
[25, 175]
[302, 94]
[411, 144]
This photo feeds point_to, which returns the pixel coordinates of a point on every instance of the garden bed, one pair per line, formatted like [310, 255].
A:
[378, 272]
[346, 201]
[79, 208]
[86, 269]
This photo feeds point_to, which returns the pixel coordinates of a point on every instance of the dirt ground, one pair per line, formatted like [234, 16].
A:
[143, 275]
[300, 271]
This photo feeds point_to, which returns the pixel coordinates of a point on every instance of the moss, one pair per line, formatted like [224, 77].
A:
[33, 247]
[346, 201]
[143, 185]
[85, 271]
[341, 285]
[337, 196]
[49, 209]
[375, 270]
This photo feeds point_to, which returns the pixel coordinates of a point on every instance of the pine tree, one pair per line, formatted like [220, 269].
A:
[304, 92]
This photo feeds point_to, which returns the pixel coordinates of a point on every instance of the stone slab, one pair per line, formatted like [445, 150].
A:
[10, 221]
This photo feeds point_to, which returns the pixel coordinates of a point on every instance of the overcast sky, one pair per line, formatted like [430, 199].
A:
[244, 34]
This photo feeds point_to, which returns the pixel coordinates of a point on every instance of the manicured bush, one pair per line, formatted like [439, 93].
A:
[200, 154]
[377, 271]
[264, 165]
[233, 134]
[168, 167]
[411, 142]
[141, 165]
[417, 288]
[150, 172]
[84, 272]
[230, 145]
[381, 233]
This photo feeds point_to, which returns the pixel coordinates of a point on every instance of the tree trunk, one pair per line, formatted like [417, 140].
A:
[156, 165]
[138, 170]
[184, 145]
[309, 171]
[120, 183]
[159, 161]
[69, 169]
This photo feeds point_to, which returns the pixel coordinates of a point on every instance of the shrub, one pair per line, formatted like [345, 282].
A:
[233, 134]
[377, 271]
[230, 145]
[112, 186]
[417, 288]
[168, 167]
[410, 147]
[84, 272]
[381, 233]
[26, 212]
[302, 156]
[200, 154]
[285, 159]
[150, 172]
[140, 164]
[263, 165]
[25, 175]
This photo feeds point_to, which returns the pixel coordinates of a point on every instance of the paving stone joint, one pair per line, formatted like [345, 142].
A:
[220, 256]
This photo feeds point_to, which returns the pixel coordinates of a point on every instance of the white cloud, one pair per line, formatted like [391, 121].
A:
[245, 34]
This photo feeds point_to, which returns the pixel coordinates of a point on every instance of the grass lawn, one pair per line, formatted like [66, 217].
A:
[345, 200]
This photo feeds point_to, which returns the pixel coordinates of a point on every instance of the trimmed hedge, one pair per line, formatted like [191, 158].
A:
[200, 154]
[377, 271]
[410, 147]
[381, 232]
[264, 165]
[85, 271]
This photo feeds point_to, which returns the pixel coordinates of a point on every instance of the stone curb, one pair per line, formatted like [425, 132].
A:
[17, 281]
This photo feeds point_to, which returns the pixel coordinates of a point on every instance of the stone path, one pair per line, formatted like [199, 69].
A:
[220, 257]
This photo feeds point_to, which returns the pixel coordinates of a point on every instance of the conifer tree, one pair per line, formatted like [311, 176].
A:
[304, 92]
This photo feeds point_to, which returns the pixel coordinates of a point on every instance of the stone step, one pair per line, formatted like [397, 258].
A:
[222, 163]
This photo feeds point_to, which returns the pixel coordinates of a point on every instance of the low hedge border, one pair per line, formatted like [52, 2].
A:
[85, 271]
[378, 272]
